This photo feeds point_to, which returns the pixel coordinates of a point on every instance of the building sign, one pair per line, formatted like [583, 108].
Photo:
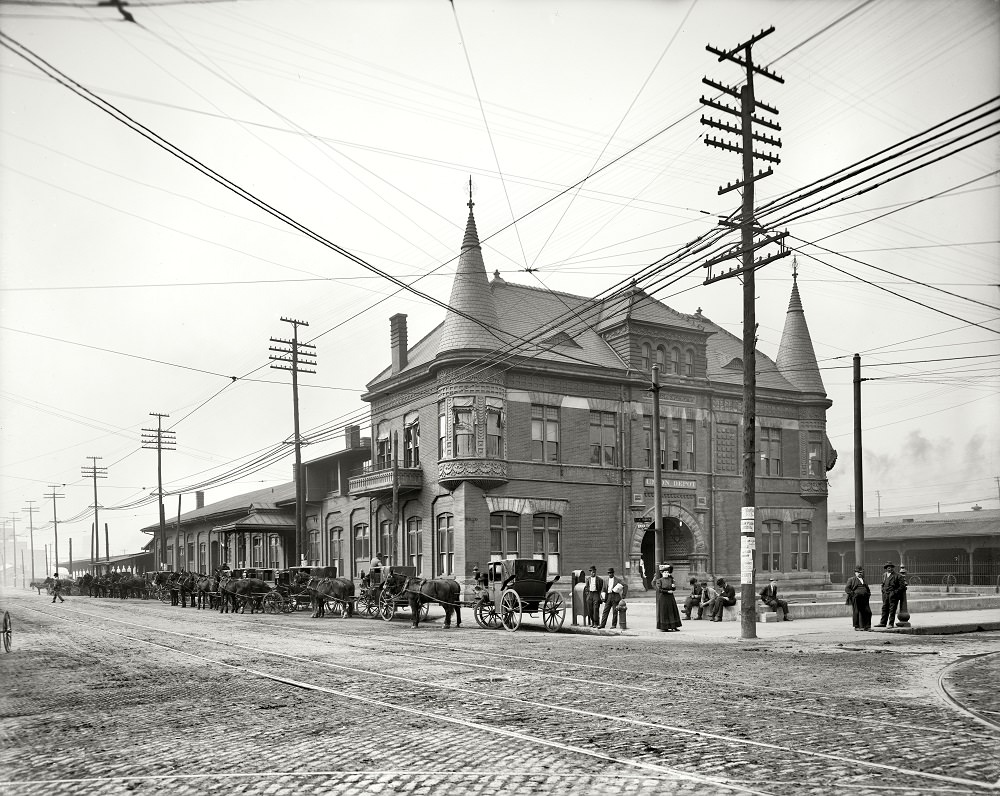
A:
[671, 483]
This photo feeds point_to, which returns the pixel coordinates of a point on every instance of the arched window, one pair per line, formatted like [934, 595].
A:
[689, 362]
[644, 359]
[445, 538]
[383, 447]
[414, 543]
[661, 358]
[385, 542]
[337, 550]
[505, 532]
[257, 558]
[545, 531]
[800, 546]
[362, 545]
[273, 550]
[770, 546]
[411, 440]
[675, 361]
[494, 428]
[202, 557]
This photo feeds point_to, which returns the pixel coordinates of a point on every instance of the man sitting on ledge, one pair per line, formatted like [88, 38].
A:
[769, 596]
[725, 598]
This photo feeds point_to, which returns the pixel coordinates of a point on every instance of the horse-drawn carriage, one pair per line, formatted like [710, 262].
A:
[292, 591]
[514, 588]
[391, 594]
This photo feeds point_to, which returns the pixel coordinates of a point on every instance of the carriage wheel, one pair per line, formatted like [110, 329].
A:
[510, 610]
[7, 631]
[272, 603]
[487, 615]
[554, 611]
[287, 604]
[163, 595]
[386, 605]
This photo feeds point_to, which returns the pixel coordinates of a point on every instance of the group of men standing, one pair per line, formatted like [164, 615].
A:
[859, 596]
[610, 591]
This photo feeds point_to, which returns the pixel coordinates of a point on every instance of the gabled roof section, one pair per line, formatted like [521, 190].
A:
[636, 305]
[561, 338]
[796, 358]
[471, 300]
[245, 504]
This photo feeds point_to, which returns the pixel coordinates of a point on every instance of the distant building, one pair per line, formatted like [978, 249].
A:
[520, 427]
[961, 546]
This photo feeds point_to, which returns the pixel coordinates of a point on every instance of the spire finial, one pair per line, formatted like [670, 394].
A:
[471, 203]
[795, 268]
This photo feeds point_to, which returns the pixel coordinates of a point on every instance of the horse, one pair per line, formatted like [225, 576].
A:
[203, 588]
[84, 583]
[340, 591]
[39, 584]
[237, 592]
[420, 591]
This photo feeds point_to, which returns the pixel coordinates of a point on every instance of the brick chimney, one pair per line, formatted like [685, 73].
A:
[352, 437]
[199, 500]
[397, 338]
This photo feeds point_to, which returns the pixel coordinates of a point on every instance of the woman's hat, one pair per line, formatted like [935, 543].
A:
[859, 569]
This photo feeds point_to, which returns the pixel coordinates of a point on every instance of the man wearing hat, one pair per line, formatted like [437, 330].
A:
[769, 596]
[57, 588]
[858, 595]
[725, 598]
[614, 593]
[893, 587]
[593, 585]
[694, 599]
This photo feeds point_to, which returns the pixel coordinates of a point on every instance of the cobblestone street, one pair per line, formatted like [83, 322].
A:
[107, 696]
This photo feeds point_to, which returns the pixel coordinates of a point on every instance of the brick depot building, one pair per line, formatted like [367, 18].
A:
[520, 427]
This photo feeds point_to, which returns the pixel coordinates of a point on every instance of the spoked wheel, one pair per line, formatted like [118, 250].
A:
[487, 615]
[366, 604]
[386, 606]
[164, 596]
[272, 603]
[554, 611]
[7, 631]
[510, 610]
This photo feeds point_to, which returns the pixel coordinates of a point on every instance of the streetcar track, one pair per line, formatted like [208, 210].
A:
[548, 705]
[945, 694]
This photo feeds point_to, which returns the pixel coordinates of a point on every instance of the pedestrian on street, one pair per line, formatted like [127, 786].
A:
[614, 593]
[668, 618]
[643, 576]
[893, 587]
[769, 596]
[57, 588]
[694, 599]
[859, 595]
[725, 598]
[592, 588]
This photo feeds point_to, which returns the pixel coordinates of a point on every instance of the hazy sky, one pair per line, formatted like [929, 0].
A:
[132, 283]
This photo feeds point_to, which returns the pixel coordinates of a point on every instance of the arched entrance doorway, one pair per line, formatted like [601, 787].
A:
[678, 539]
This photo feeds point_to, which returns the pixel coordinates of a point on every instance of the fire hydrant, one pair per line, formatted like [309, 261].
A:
[622, 615]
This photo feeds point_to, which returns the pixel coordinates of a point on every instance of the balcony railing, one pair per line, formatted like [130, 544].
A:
[375, 480]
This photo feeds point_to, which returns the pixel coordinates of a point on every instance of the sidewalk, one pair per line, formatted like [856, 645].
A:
[642, 622]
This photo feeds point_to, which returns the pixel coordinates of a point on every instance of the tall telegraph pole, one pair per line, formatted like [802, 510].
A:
[55, 522]
[297, 357]
[13, 539]
[161, 440]
[94, 471]
[741, 55]
[30, 508]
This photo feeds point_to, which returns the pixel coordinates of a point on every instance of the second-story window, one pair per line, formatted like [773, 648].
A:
[647, 432]
[411, 440]
[675, 361]
[383, 447]
[689, 362]
[494, 428]
[544, 433]
[769, 447]
[661, 358]
[603, 447]
[817, 468]
[464, 428]
[442, 429]
[645, 358]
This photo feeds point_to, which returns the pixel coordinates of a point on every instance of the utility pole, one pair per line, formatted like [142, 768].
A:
[161, 440]
[297, 357]
[878, 496]
[3, 557]
[657, 468]
[745, 251]
[94, 471]
[55, 523]
[30, 508]
[13, 543]
[859, 478]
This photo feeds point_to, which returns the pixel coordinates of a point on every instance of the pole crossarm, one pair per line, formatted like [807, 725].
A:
[732, 186]
[734, 92]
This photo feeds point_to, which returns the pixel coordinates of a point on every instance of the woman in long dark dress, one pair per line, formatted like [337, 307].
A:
[668, 618]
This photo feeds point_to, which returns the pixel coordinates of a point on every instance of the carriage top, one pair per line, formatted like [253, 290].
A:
[527, 576]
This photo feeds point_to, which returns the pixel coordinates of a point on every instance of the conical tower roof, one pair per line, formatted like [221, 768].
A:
[471, 296]
[796, 359]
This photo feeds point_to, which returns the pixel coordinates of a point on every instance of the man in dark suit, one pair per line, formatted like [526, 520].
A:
[592, 588]
[726, 597]
[859, 594]
[893, 587]
[769, 596]
[614, 593]
[694, 599]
